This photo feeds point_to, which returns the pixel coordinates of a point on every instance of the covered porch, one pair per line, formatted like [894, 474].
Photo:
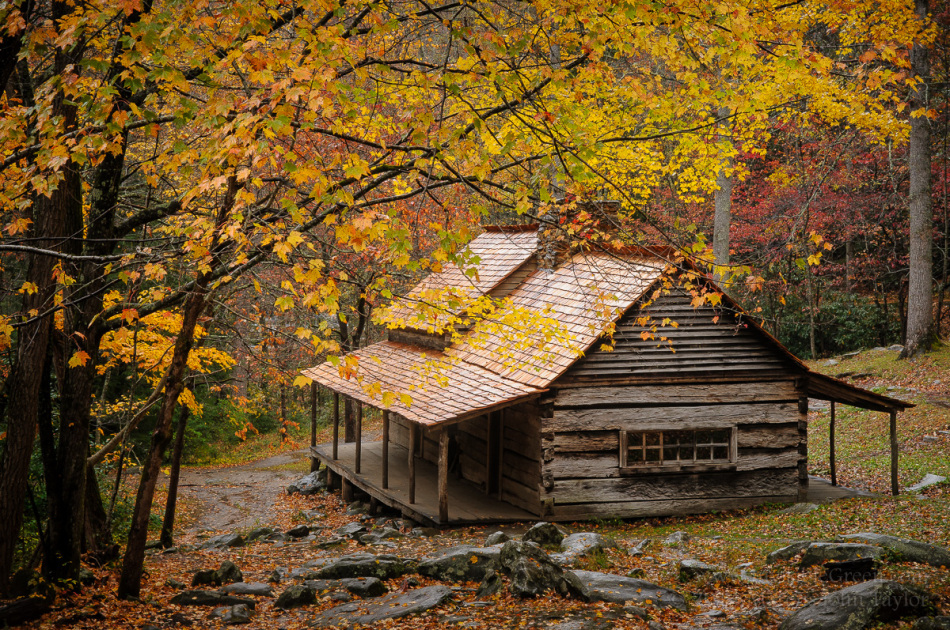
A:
[413, 486]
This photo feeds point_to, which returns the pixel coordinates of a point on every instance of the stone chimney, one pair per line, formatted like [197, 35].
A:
[564, 233]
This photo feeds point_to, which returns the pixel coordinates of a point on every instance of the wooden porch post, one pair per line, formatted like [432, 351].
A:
[444, 476]
[413, 438]
[385, 449]
[831, 446]
[314, 462]
[894, 488]
[359, 434]
[336, 425]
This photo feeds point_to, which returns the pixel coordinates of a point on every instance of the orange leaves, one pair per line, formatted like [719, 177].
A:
[79, 358]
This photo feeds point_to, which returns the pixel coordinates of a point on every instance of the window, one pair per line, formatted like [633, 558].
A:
[683, 449]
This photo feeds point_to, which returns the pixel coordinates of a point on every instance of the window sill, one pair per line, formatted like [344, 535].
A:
[678, 468]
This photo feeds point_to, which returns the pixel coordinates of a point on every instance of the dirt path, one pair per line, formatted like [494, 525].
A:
[241, 496]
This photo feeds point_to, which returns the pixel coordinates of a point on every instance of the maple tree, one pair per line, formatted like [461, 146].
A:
[168, 150]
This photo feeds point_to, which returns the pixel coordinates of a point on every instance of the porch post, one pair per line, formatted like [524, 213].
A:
[444, 476]
[894, 488]
[336, 425]
[314, 462]
[385, 449]
[831, 446]
[413, 438]
[359, 434]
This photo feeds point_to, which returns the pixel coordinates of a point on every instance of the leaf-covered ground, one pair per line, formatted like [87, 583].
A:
[732, 540]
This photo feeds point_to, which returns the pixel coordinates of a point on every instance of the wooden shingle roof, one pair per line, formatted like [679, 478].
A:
[495, 254]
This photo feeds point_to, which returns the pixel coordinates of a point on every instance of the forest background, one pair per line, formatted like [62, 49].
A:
[197, 199]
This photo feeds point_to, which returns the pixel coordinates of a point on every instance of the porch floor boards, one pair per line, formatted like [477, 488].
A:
[467, 504]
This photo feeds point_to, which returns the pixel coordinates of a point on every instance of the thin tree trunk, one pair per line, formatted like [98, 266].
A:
[722, 218]
[168, 524]
[812, 307]
[130, 581]
[919, 336]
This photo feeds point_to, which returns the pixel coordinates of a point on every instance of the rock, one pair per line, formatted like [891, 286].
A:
[383, 567]
[330, 543]
[676, 538]
[300, 531]
[640, 547]
[197, 597]
[544, 534]
[745, 576]
[175, 584]
[821, 552]
[896, 348]
[531, 572]
[490, 585]
[635, 573]
[380, 535]
[859, 570]
[204, 577]
[232, 615]
[932, 623]
[607, 587]
[392, 606]
[352, 530]
[277, 537]
[831, 362]
[364, 587]
[228, 573]
[310, 484]
[225, 574]
[260, 532]
[690, 569]
[928, 480]
[799, 508]
[497, 538]
[423, 532]
[223, 541]
[460, 564]
[357, 507]
[713, 614]
[857, 607]
[788, 552]
[579, 545]
[906, 550]
[257, 589]
[295, 596]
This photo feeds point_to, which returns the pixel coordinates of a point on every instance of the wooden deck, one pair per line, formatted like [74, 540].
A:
[467, 504]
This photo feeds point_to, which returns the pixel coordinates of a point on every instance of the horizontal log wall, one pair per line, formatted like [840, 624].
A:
[580, 441]
[703, 340]
[472, 438]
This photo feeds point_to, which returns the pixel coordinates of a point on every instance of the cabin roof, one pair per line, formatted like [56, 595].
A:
[495, 254]
[517, 351]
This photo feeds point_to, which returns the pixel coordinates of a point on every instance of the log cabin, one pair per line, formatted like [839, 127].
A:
[569, 385]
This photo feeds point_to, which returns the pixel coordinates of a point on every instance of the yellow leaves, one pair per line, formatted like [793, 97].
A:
[6, 333]
[19, 226]
[29, 288]
[79, 358]
[284, 303]
[302, 381]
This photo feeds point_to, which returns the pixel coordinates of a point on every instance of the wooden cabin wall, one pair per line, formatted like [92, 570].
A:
[521, 455]
[472, 437]
[581, 474]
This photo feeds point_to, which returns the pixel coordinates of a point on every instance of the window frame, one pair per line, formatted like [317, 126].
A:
[627, 468]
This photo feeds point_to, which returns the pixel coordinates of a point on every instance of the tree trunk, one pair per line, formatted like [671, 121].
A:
[168, 524]
[130, 582]
[349, 420]
[919, 336]
[23, 385]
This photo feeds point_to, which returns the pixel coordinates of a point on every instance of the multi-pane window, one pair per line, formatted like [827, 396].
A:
[677, 449]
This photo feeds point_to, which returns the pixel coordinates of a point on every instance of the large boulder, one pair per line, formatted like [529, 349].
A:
[295, 596]
[258, 589]
[859, 606]
[607, 587]
[197, 597]
[310, 484]
[392, 606]
[531, 572]
[821, 552]
[381, 535]
[905, 550]
[223, 541]
[383, 567]
[787, 552]
[362, 587]
[460, 564]
[544, 534]
[232, 615]
[580, 545]
[691, 569]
